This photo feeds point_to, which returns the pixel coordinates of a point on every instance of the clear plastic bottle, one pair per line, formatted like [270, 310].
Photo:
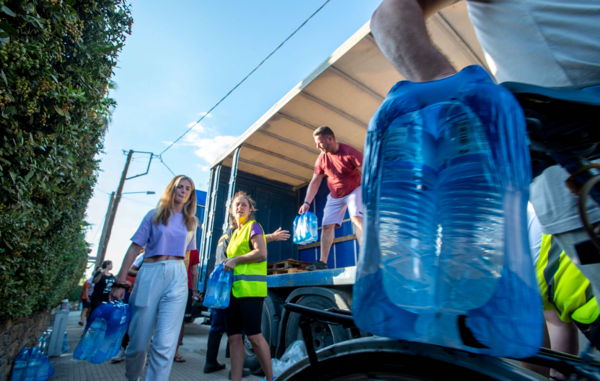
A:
[470, 206]
[33, 365]
[408, 224]
[20, 368]
[92, 340]
[445, 187]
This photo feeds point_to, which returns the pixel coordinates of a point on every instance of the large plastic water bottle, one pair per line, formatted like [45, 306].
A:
[92, 339]
[124, 325]
[312, 227]
[33, 365]
[20, 367]
[218, 289]
[112, 314]
[46, 370]
[445, 188]
[65, 346]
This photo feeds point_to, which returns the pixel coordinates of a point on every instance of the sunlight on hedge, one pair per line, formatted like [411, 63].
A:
[56, 59]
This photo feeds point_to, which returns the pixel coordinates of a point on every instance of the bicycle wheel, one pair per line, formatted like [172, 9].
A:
[384, 359]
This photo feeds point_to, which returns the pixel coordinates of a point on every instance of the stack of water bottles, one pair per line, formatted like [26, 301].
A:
[31, 365]
[446, 257]
[218, 289]
[305, 229]
[104, 332]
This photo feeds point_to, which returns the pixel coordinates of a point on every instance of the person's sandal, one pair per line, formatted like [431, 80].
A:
[179, 359]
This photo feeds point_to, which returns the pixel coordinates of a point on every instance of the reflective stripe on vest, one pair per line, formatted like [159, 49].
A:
[563, 287]
[249, 279]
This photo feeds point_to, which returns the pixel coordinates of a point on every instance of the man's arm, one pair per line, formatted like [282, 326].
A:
[312, 190]
[399, 29]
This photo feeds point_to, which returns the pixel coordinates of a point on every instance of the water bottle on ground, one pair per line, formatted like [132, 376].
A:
[65, 346]
[46, 370]
[20, 367]
[445, 188]
[33, 365]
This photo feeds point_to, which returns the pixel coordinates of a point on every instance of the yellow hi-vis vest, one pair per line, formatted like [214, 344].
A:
[563, 287]
[249, 279]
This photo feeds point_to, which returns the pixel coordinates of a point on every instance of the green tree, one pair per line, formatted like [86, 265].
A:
[56, 60]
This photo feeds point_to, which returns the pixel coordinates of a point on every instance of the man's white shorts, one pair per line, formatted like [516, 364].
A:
[335, 208]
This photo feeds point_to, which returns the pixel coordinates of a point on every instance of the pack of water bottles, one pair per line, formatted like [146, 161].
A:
[446, 256]
[306, 229]
[31, 365]
[218, 289]
[104, 332]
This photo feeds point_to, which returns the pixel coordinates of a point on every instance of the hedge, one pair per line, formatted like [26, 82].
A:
[56, 61]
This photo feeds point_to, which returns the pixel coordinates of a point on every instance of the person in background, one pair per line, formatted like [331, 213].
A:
[86, 303]
[247, 258]
[568, 299]
[103, 281]
[217, 316]
[342, 165]
[159, 294]
[192, 273]
[131, 274]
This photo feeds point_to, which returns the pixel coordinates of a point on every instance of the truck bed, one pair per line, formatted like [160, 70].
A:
[331, 277]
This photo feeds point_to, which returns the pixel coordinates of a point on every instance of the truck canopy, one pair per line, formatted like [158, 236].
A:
[342, 93]
[273, 160]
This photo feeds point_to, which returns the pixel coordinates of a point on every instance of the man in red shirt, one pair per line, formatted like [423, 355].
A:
[342, 165]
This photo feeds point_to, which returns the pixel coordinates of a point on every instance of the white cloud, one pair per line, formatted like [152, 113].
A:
[205, 114]
[204, 168]
[197, 127]
[209, 148]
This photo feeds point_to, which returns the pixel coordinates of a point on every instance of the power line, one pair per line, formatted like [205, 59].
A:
[242, 81]
[161, 160]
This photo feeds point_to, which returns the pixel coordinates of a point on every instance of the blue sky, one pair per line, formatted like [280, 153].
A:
[180, 60]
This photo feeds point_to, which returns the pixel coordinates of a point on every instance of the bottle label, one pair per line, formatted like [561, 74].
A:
[469, 138]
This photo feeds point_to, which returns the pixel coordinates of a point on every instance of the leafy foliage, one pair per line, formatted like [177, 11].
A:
[56, 60]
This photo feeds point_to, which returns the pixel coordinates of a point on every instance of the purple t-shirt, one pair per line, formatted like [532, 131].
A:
[173, 239]
[255, 230]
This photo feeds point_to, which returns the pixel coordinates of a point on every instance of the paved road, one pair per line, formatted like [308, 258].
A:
[193, 350]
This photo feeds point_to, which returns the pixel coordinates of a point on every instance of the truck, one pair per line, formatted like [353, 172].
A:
[273, 162]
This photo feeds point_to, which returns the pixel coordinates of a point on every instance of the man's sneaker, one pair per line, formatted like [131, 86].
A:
[120, 356]
[245, 373]
[317, 266]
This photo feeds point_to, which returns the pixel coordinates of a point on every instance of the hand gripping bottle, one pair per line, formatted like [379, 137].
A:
[20, 367]
[445, 188]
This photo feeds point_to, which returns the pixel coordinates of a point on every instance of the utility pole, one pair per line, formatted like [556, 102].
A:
[101, 245]
[112, 211]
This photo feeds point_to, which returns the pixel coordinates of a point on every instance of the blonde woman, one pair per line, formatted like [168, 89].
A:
[247, 258]
[160, 292]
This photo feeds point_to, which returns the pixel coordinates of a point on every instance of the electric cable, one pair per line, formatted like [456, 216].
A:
[242, 81]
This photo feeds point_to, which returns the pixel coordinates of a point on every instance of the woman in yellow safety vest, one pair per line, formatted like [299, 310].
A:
[247, 258]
